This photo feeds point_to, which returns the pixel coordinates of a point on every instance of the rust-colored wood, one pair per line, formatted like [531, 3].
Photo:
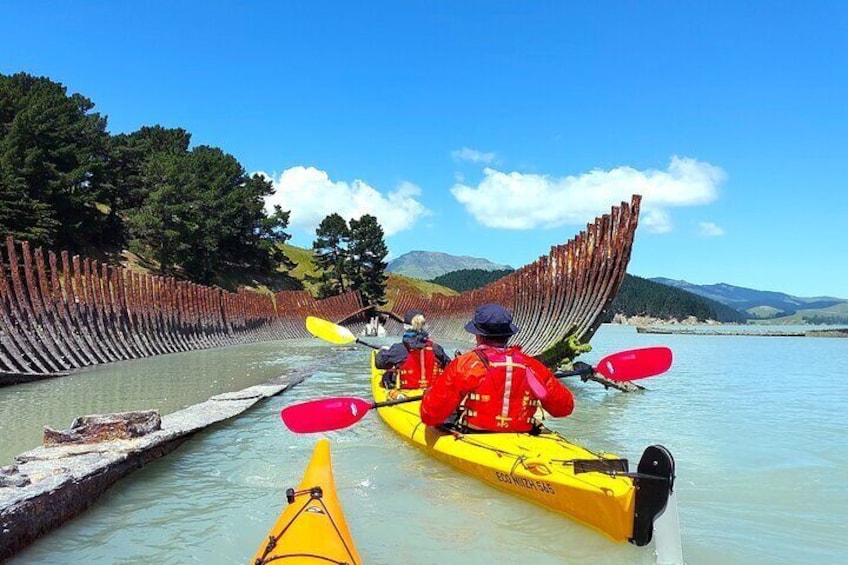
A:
[29, 330]
[83, 313]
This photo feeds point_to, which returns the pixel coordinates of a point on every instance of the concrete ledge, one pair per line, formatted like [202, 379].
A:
[49, 485]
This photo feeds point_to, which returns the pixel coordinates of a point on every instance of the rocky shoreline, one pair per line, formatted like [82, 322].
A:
[650, 321]
[694, 326]
[51, 484]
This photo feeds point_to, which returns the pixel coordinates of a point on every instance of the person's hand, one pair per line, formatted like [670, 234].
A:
[585, 368]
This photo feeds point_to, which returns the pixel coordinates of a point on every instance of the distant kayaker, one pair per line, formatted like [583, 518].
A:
[415, 361]
[489, 385]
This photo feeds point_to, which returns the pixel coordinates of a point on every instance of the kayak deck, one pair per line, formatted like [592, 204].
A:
[594, 489]
[312, 528]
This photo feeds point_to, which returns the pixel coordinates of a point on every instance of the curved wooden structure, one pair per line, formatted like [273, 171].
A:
[59, 313]
[561, 295]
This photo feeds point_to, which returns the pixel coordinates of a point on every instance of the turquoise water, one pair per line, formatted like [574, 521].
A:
[757, 426]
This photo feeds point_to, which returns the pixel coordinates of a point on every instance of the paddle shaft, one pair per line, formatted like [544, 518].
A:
[574, 373]
[558, 374]
[395, 401]
[336, 413]
[618, 367]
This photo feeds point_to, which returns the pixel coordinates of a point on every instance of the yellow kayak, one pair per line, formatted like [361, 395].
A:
[312, 528]
[592, 488]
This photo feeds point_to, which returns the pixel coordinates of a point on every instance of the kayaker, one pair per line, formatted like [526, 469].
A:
[489, 384]
[415, 361]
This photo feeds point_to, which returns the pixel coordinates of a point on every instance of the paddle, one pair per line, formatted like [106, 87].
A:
[325, 414]
[333, 333]
[628, 365]
[621, 367]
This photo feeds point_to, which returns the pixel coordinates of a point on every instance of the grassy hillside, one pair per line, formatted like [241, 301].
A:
[397, 282]
[305, 266]
[229, 279]
[836, 314]
[764, 312]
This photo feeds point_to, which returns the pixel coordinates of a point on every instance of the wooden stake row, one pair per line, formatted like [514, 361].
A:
[59, 313]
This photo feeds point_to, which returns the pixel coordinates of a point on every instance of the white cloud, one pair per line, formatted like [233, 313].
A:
[472, 155]
[525, 201]
[311, 196]
[709, 229]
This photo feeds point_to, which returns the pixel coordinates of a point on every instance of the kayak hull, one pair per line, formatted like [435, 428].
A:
[546, 468]
[312, 528]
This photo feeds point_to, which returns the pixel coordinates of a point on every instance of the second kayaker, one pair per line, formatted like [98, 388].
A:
[491, 386]
[416, 361]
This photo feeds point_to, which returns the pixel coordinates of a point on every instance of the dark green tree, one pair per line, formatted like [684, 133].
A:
[20, 215]
[54, 149]
[130, 156]
[247, 236]
[367, 253]
[271, 235]
[65, 182]
[205, 213]
[469, 279]
[163, 222]
[332, 256]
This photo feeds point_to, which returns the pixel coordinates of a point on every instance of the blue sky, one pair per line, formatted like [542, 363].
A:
[498, 129]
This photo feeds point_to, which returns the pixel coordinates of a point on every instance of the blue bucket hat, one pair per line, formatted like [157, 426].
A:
[491, 320]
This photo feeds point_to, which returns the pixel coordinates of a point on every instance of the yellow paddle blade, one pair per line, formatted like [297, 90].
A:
[329, 331]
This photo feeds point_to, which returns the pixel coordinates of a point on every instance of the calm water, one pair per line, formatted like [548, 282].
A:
[757, 426]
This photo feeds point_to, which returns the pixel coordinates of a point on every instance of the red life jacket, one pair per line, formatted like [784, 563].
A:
[503, 402]
[419, 368]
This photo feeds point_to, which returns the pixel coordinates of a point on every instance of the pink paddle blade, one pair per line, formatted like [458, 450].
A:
[324, 414]
[635, 364]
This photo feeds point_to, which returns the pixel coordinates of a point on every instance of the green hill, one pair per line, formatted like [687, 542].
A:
[469, 279]
[836, 314]
[643, 297]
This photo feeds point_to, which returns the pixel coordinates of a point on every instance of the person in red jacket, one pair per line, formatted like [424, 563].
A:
[491, 385]
[415, 361]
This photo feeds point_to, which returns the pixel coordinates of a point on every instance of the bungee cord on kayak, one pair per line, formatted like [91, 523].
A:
[315, 531]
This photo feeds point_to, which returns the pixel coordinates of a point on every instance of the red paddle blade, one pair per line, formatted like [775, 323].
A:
[635, 364]
[324, 414]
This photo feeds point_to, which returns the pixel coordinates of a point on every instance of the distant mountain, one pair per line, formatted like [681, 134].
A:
[427, 265]
[757, 303]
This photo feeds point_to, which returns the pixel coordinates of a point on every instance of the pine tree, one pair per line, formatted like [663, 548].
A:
[332, 256]
[22, 216]
[367, 253]
[55, 149]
